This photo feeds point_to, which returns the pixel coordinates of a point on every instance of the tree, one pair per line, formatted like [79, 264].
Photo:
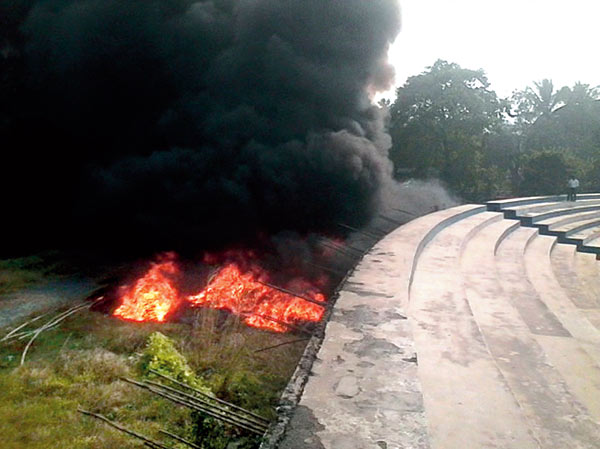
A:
[440, 122]
[532, 104]
[543, 173]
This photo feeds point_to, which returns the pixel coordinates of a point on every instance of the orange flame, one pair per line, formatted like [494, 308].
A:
[263, 306]
[153, 296]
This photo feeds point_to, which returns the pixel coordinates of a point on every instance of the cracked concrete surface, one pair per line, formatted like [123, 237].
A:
[460, 330]
[364, 390]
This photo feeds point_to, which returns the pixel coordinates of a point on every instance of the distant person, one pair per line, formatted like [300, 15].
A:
[573, 185]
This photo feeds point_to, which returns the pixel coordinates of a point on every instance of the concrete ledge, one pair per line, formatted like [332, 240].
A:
[363, 389]
[500, 205]
[449, 333]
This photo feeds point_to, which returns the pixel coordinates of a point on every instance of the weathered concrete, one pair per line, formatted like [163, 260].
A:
[364, 391]
[461, 329]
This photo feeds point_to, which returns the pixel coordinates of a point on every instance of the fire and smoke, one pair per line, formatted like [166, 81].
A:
[183, 124]
[239, 286]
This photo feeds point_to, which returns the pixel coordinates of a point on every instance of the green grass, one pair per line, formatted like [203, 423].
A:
[79, 364]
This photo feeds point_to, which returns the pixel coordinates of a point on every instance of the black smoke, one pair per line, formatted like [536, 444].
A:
[178, 124]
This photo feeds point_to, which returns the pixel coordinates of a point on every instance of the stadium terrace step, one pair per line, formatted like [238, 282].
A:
[363, 386]
[460, 378]
[500, 205]
[562, 260]
[561, 221]
[463, 329]
[530, 218]
[574, 233]
[510, 269]
[541, 275]
[532, 374]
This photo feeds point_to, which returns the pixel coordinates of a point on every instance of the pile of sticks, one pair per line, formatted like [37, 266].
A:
[208, 405]
[196, 400]
[19, 333]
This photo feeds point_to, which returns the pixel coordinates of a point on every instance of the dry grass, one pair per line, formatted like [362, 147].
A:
[80, 364]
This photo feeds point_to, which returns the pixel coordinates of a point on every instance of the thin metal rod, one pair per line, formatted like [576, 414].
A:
[391, 220]
[281, 344]
[405, 212]
[324, 268]
[340, 250]
[366, 233]
[278, 321]
[291, 293]
[344, 246]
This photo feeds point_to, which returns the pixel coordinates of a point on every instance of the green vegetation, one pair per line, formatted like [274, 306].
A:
[447, 123]
[24, 271]
[80, 363]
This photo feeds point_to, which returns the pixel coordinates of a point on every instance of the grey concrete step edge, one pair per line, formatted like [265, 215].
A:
[496, 355]
[498, 205]
[591, 237]
[562, 236]
[293, 392]
[435, 230]
[557, 222]
[478, 227]
[593, 240]
[531, 220]
[533, 210]
[505, 234]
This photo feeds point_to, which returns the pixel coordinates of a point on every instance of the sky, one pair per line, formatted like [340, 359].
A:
[516, 42]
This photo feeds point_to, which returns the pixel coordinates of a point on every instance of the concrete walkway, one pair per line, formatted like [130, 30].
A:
[461, 330]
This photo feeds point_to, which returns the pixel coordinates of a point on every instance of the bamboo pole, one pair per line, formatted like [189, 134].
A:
[48, 325]
[220, 401]
[206, 403]
[181, 440]
[147, 440]
[16, 329]
[195, 406]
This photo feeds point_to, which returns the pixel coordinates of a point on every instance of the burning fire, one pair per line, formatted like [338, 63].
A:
[154, 296]
[263, 306]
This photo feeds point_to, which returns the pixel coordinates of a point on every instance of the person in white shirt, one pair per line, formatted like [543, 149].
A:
[573, 185]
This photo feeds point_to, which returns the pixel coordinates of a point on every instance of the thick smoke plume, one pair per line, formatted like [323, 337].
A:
[178, 124]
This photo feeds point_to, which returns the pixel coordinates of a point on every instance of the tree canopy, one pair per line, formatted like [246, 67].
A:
[448, 123]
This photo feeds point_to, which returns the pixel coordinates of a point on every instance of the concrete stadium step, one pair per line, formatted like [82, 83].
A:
[467, 400]
[498, 205]
[562, 260]
[533, 373]
[510, 268]
[541, 275]
[364, 389]
[574, 233]
[587, 268]
[531, 217]
[585, 234]
[560, 221]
